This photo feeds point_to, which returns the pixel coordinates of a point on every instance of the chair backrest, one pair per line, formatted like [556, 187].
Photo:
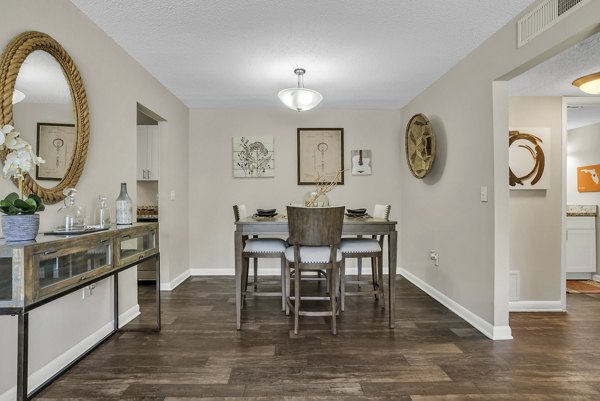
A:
[315, 226]
[382, 211]
[239, 212]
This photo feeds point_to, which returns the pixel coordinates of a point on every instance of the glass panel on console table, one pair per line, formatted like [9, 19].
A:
[136, 246]
[59, 268]
[6, 280]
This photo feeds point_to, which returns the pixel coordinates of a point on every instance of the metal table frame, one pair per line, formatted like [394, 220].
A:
[278, 226]
[23, 325]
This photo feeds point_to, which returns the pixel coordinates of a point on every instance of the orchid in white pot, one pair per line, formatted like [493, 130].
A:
[20, 223]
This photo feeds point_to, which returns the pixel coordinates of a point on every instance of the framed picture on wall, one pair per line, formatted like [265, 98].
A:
[588, 179]
[320, 155]
[253, 156]
[56, 145]
[361, 162]
[528, 158]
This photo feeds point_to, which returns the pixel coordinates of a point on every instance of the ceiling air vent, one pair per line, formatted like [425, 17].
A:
[543, 17]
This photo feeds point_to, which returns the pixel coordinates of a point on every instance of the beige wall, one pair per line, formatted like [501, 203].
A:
[535, 215]
[583, 149]
[213, 191]
[114, 83]
[444, 211]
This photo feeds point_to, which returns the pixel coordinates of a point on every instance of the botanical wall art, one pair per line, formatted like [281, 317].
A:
[56, 145]
[587, 178]
[253, 156]
[320, 155]
[361, 162]
[419, 144]
[528, 152]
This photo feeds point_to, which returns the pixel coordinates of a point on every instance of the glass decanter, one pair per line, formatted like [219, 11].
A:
[102, 213]
[71, 217]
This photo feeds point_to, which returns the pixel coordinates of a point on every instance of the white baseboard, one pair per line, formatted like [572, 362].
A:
[535, 306]
[596, 277]
[170, 286]
[492, 332]
[129, 315]
[45, 372]
[224, 271]
[579, 276]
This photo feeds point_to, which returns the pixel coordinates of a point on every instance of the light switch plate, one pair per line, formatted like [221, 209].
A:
[172, 195]
[484, 194]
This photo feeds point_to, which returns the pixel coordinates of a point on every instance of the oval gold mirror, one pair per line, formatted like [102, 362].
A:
[54, 114]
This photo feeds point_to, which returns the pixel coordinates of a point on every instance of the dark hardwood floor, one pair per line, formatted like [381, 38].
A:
[431, 355]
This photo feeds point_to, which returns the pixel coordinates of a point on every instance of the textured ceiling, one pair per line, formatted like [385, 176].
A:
[358, 54]
[554, 77]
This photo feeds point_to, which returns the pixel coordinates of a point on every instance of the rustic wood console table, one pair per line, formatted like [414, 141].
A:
[35, 273]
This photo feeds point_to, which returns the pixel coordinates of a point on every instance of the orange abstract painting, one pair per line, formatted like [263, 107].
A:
[587, 178]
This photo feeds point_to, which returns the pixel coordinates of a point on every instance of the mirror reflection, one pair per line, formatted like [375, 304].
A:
[45, 116]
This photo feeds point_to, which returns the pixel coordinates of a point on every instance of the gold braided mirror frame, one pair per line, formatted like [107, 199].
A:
[13, 57]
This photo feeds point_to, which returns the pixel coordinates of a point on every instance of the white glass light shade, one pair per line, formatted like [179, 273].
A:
[589, 83]
[300, 99]
[17, 96]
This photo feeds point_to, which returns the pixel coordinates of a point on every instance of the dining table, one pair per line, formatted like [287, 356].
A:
[278, 226]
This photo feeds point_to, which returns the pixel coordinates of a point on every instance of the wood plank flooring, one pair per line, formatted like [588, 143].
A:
[431, 355]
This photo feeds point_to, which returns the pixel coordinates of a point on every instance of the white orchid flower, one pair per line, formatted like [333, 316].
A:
[3, 132]
[21, 161]
[34, 158]
[13, 141]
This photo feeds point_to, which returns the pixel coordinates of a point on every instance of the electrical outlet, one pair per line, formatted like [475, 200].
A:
[435, 257]
[87, 291]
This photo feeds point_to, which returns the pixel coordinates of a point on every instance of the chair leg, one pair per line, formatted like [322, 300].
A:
[287, 289]
[283, 269]
[333, 296]
[297, 281]
[245, 267]
[255, 274]
[343, 285]
[374, 274]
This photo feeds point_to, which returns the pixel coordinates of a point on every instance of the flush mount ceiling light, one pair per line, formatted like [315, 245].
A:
[300, 98]
[17, 96]
[589, 83]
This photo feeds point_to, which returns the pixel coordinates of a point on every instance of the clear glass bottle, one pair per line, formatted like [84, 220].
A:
[70, 217]
[124, 209]
[102, 213]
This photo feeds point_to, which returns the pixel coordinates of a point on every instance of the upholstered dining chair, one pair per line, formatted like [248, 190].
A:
[365, 248]
[315, 234]
[255, 248]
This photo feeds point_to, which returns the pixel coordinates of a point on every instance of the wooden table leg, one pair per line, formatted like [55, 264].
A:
[238, 279]
[392, 252]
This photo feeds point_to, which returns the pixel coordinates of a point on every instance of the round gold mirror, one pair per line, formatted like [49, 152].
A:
[419, 143]
[53, 117]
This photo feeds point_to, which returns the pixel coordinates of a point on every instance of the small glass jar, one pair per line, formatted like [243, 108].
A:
[102, 213]
[70, 217]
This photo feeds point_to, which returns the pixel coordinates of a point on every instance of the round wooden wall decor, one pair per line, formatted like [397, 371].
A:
[420, 145]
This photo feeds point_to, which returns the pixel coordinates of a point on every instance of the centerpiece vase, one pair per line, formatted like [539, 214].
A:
[312, 199]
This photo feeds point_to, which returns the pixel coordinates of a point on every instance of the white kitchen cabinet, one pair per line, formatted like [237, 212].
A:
[581, 244]
[147, 153]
